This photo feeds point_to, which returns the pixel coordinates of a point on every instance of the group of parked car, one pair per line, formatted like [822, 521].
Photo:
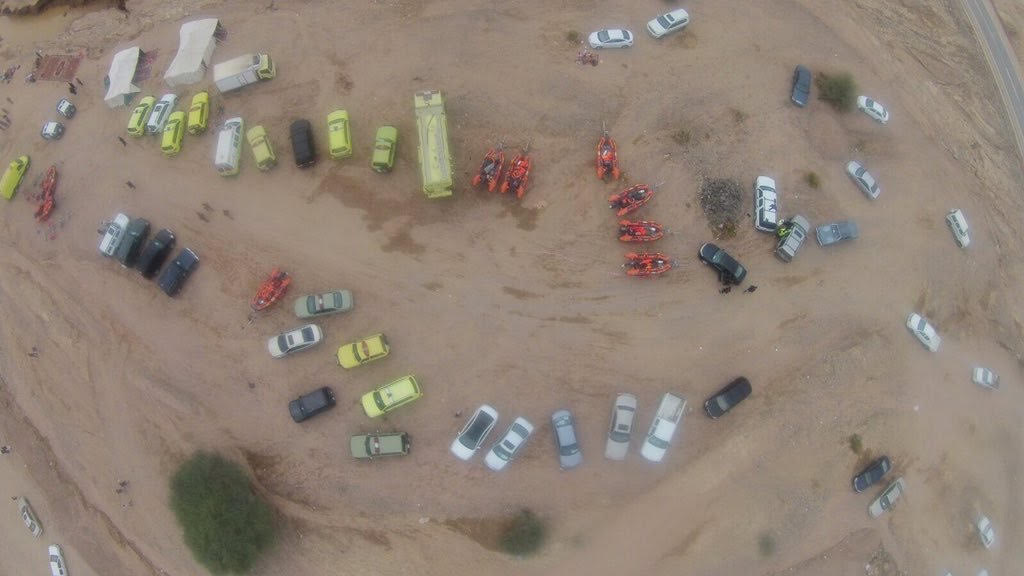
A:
[54, 552]
[666, 420]
[658, 27]
[124, 239]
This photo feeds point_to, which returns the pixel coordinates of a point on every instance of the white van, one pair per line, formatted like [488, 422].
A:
[958, 224]
[229, 147]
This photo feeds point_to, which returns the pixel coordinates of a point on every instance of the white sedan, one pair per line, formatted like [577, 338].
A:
[611, 38]
[296, 340]
[473, 434]
[924, 332]
[668, 23]
[863, 179]
[506, 449]
[873, 109]
[57, 566]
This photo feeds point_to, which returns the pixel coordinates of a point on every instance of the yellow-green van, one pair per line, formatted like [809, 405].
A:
[174, 130]
[140, 115]
[12, 177]
[262, 151]
[339, 135]
[198, 113]
[384, 149]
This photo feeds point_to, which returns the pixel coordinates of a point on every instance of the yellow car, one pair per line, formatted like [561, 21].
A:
[12, 177]
[198, 112]
[173, 132]
[262, 151]
[391, 396]
[366, 350]
[137, 123]
[339, 134]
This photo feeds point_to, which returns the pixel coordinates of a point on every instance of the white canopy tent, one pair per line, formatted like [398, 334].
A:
[195, 48]
[120, 89]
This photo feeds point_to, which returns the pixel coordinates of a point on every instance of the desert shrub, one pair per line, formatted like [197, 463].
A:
[572, 36]
[524, 534]
[839, 90]
[856, 444]
[766, 544]
[226, 525]
[681, 136]
[813, 180]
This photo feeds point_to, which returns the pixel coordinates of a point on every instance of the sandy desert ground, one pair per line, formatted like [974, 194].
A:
[523, 305]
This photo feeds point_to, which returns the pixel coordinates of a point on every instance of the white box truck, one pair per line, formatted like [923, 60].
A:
[243, 70]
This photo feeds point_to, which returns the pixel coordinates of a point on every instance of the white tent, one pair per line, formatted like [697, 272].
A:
[119, 79]
[195, 48]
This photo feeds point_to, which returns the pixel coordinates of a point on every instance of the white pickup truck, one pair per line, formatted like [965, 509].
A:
[663, 427]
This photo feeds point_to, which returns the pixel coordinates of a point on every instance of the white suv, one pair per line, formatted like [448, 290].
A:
[958, 224]
[112, 234]
[161, 111]
[766, 205]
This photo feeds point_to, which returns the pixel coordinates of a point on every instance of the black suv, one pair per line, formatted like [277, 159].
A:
[181, 268]
[873, 473]
[155, 252]
[729, 270]
[132, 241]
[727, 398]
[302, 143]
[309, 405]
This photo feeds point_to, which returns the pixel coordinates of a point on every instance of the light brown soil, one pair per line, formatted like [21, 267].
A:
[523, 305]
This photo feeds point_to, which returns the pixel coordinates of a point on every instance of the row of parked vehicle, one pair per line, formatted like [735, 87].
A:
[124, 239]
[229, 144]
[53, 130]
[54, 552]
[159, 117]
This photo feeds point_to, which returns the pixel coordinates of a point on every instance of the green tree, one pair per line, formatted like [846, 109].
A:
[524, 534]
[839, 90]
[226, 524]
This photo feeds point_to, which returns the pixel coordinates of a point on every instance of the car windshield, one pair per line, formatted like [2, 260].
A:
[665, 21]
[603, 36]
[723, 402]
[471, 438]
[869, 102]
[379, 401]
[657, 442]
[307, 334]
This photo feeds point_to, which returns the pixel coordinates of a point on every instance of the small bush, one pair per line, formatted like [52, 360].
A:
[572, 37]
[812, 180]
[839, 90]
[681, 136]
[524, 535]
[226, 525]
[766, 544]
[856, 444]
[738, 116]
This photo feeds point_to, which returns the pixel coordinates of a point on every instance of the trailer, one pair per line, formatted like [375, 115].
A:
[436, 167]
[244, 70]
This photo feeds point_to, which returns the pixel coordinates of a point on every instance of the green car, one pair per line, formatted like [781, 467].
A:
[314, 305]
[137, 122]
[384, 148]
[370, 446]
